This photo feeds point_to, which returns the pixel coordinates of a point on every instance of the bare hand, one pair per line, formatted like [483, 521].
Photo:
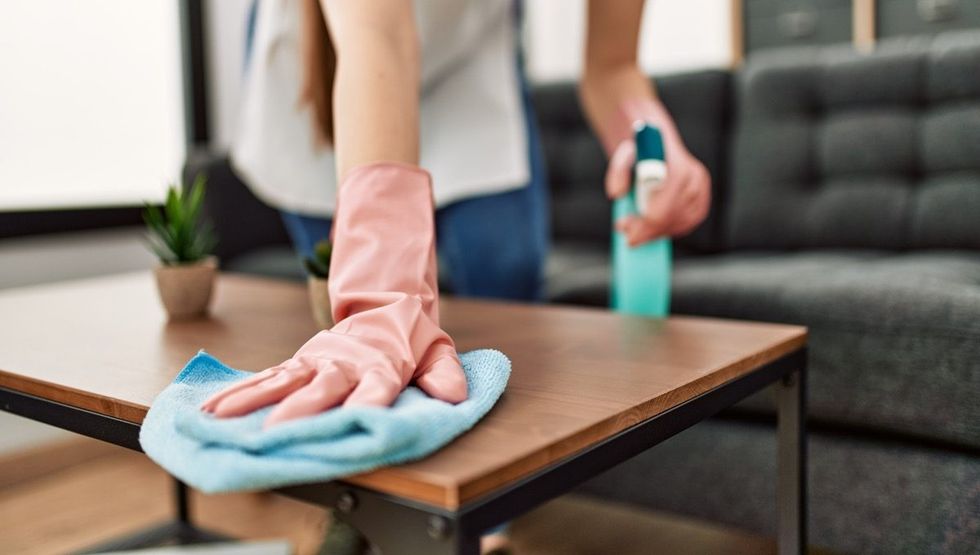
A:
[676, 208]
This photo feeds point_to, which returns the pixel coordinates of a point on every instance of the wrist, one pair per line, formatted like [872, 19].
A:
[615, 96]
[603, 89]
[620, 126]
[653, 112]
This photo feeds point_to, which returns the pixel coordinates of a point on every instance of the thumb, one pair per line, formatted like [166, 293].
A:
[444, 380]
[620, 169]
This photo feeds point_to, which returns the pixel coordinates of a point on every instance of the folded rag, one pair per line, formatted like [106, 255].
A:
[237, 454]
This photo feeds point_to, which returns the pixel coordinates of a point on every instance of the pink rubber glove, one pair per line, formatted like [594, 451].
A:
[682, 201]
[385, 301]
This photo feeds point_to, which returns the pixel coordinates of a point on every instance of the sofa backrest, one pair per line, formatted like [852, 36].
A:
[699, 102]
[834, 148]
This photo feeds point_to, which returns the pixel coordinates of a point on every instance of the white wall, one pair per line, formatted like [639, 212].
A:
[677, 35]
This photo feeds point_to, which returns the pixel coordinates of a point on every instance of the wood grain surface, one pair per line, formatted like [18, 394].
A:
[579, 375]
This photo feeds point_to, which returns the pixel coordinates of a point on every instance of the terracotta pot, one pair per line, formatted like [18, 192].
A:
[320, 301]
[185, 289]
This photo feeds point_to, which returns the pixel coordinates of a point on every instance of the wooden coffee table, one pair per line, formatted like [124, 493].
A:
[589, 389]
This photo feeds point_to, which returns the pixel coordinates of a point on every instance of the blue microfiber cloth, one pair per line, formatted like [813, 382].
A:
[236, 454]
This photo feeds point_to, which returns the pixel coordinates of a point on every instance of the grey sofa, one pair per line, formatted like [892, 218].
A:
[847, 198]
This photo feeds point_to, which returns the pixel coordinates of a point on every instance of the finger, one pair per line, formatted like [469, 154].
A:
[619, 171]
[692, 216]
[444, 380]
[644, 232]
[263, 393]
[683, 207]
[662, 202]
[326, 390]
[623, 224]
[690, 192]
[639, 230]
[376, 389]
[628, 226]
[212, 401]
[697, 209]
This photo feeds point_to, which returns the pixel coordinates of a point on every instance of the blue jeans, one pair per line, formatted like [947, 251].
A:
[492, 246]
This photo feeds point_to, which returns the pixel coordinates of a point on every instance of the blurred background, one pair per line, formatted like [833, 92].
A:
[843, 140]
[97, 111]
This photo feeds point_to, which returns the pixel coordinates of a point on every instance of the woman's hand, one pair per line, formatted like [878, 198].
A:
[383, 287]
[615, 93]
[385, 301]
[681, 202]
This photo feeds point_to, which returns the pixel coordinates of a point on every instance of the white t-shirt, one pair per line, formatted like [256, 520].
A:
[472, 136]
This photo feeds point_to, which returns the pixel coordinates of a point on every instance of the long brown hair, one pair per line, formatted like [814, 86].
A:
[319, 62]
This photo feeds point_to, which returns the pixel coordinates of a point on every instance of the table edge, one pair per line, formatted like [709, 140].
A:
[452, 496]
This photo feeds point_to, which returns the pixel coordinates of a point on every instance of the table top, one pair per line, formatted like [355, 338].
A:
[579, 374]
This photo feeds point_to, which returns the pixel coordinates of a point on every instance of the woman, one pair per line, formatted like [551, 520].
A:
[488, 201]
[490, 190]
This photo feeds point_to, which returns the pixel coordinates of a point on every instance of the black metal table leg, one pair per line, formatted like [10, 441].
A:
[179, 531]
[393, 524]
[791, 406]
[182, 506]
[400, 525]
[398, 529]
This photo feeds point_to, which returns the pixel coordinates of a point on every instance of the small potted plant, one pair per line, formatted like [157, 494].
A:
[318, 268]
[183, 242]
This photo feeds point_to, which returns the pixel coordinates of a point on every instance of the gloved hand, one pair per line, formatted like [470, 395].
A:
[385, 301]
[683, 199]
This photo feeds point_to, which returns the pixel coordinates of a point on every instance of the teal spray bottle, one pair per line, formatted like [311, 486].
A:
[641, 274]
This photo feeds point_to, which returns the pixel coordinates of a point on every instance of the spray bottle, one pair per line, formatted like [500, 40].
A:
[641, 274]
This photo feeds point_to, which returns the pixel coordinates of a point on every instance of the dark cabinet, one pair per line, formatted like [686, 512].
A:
[923, 17]
[776, 23]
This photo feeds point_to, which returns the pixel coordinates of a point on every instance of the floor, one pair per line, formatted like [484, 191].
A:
[64, 498]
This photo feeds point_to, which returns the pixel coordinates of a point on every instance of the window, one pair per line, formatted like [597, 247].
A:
[91, 102]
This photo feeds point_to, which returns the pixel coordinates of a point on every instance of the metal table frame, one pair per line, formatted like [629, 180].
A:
[399, 525]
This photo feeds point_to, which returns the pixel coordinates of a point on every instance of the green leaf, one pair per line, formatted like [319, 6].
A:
[161, 250]
[196, 197]
[322, 251]
[315, 268]
[172, 204]
[178, 231]
[158, 230]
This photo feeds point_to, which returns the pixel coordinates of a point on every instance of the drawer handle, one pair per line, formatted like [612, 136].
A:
[798, 24]
[935, 11]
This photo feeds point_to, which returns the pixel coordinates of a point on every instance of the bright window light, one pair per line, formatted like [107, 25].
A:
[90, 102]
[677, 35]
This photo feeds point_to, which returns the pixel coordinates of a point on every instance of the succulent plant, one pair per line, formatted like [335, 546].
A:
[177, 232]
[319, 264]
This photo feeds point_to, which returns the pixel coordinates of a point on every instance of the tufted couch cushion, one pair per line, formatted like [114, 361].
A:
[864, 496]
[894, 337]
[834, 148]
